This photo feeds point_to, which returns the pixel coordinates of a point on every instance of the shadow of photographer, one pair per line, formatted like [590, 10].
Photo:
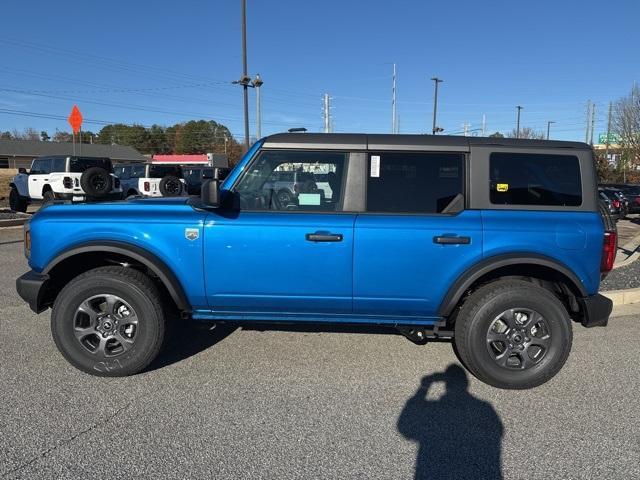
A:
[459, 436]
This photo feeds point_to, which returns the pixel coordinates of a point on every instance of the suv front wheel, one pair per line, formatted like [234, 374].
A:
[513, 334]
[109, 321]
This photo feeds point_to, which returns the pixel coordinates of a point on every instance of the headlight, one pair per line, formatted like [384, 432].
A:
[27, 242]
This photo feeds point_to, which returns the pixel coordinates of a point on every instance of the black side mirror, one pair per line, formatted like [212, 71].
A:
[22, 170]
[210, 193]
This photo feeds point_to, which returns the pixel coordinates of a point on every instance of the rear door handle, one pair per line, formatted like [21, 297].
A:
[452, 240]
[323, 237]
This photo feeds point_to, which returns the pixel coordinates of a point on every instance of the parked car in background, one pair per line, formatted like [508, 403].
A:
[73, 178]
[496, 243]
[151, 180]
[618, 200]
[614, 212]
[632, 192]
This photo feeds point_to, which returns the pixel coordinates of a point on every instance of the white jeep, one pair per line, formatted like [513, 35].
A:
[77, 179]
[151, 180]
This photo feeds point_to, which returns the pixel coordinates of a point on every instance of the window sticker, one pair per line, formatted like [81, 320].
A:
[309, 199]
[375, 166]
[502, 187]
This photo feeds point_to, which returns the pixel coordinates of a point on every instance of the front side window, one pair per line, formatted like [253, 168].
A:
[293, 181]
[413, 182]
[535, 179]
[41, 166]
[122, 172]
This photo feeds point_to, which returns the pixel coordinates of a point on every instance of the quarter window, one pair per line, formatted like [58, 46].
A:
[293, 181]
[415, 182]
[535, 179]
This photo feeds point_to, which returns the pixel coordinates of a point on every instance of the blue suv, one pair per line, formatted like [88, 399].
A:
[496, 243]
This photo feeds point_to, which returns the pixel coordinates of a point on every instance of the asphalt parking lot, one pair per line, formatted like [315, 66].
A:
[280, 404]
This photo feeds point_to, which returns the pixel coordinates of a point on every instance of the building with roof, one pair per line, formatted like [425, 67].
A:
[20, 153]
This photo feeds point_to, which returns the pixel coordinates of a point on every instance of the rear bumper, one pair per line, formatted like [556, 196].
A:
[32, 288]
[73, 196]
[595, 310]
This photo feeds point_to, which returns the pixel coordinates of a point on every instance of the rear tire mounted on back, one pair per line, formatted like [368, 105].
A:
[170, 186]
[96, 182]
[109, 321]
[513, 334]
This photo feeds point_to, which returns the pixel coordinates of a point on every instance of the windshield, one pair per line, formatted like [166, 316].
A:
[79, 165]
[161, 171]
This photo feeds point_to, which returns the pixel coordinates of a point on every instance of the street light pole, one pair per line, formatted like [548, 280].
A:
[436, 81]
[257, 83]
[244, 81]
[549, 127]
[518, 122]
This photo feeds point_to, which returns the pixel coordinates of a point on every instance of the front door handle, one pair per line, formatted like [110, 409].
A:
[452, 240]
[323, 237]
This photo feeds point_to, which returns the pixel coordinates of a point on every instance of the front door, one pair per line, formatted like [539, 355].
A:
[282, 249]
[416, 238]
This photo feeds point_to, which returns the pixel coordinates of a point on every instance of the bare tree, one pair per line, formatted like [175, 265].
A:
[526, 132]
[626, 127]
[27, 134]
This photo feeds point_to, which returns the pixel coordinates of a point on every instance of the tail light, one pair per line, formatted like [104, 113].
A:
[637, 200]
[616, 203]
[67, 182]
[608, 251]
[147, 186]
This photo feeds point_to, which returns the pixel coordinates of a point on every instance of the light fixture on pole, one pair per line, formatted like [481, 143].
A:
[435, 129]
[549, 127]
[518, 122]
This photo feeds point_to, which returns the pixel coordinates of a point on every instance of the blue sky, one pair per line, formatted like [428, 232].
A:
[164, 62]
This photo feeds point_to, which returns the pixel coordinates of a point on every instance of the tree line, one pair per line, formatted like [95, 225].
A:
[192, 137]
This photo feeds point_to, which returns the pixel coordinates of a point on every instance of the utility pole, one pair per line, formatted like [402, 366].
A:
[484, 124]
[394, 118]
[326, 115]
[593, 122]
[549, 127]
[607, 141]
[586, 135]
[244, 81]
[465, 127]
[435, 128]
[257, 83]
[518, 121]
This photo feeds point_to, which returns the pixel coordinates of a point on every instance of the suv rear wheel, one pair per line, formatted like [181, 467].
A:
[109, 321]
[513, 334]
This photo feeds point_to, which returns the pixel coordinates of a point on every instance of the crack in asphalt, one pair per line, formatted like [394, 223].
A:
[69, 440]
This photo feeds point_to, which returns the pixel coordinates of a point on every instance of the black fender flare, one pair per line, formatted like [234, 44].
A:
[469, 276]
[144, 257]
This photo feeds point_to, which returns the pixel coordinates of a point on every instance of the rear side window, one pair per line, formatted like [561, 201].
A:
[413, 182]
[58, 165]
[535, 179]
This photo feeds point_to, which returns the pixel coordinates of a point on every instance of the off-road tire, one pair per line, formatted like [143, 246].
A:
[133, 287]
[47, 197]
[480, 311]
[16, 202]
[170, 186]
[96, 182]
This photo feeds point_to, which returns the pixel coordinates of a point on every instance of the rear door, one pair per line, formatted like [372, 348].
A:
[415, 237]
[266, 252]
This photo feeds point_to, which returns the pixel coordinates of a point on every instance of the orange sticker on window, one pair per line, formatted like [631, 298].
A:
[502, 187]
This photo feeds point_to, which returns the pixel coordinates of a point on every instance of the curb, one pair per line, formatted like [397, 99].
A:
[632, 245]
[623, 297]
[13, 222]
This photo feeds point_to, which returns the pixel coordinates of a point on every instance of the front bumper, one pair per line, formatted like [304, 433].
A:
[33, 288]
[595, 310]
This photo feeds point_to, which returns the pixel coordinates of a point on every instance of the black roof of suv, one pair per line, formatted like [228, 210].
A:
[361, 141]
